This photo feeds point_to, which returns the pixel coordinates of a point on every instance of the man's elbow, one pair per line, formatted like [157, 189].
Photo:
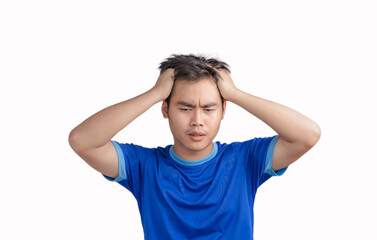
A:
[312, 136]
[75, 141]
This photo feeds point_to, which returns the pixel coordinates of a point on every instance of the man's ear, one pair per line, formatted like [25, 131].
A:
[164, 109]
[224, 108]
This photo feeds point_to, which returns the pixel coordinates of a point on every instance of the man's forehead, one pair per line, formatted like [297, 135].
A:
[205, 98]
[201, 93]
[185, 87]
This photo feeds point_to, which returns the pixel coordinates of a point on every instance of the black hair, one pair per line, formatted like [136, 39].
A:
[193, 68]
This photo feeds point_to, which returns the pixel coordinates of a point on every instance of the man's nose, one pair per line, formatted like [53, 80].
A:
[197, 118]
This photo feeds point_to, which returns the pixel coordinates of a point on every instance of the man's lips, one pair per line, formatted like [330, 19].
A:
[196, 136]
[196, 133]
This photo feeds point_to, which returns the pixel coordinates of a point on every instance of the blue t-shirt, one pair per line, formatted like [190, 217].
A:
[207, 199]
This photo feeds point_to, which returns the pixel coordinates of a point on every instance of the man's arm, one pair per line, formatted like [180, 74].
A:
[91, 140]
[297, 133]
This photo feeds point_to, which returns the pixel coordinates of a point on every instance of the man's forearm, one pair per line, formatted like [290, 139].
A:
[288, 123]
[98, 129]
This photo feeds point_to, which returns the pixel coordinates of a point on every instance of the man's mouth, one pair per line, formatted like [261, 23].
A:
[196, 136]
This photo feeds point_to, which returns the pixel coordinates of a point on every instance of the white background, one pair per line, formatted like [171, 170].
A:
[62, 61]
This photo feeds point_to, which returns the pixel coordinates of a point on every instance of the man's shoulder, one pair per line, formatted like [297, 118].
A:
[132, 144]
[239, 145]
[140, 148]
[234, 143]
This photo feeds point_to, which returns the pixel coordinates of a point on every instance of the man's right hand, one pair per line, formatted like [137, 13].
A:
[165, 83]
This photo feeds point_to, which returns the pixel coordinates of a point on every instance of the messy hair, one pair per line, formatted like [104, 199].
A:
[193, 68]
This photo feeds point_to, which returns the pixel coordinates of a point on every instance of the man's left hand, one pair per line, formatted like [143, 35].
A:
[226, 84]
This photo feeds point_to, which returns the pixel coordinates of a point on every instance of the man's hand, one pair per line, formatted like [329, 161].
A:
[226, 84]
[164, 83]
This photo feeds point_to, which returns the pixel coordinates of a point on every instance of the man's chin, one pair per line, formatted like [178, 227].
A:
[199, 146]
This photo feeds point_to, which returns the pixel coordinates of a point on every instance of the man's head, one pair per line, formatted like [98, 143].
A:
[195, 107]
[193, 68]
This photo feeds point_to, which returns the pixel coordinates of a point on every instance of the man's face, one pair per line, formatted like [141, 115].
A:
[195, 112]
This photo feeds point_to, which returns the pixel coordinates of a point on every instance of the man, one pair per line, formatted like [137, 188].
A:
[196, 188]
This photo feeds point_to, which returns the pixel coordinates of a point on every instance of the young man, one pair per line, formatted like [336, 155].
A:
[196, 188]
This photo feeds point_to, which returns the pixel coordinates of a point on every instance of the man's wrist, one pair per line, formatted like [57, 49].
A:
[155, 95]
[233, 95]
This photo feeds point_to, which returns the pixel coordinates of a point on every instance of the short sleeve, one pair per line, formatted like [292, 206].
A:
[268, 171]
[131, 159]
[122, 174]
[257, 155]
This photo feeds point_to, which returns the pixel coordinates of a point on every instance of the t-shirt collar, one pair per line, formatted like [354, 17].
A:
[193, 162]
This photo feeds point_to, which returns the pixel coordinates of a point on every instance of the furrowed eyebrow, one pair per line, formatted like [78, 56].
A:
[186, 104]
[212, 104]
